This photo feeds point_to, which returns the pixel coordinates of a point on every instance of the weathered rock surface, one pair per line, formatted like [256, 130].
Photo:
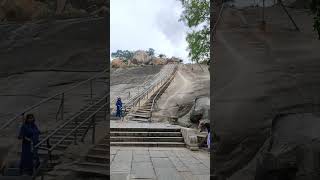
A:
[200, 110]
[141, 57]
[158, 61]
[118, 63]
[266, 97]
[25, 10]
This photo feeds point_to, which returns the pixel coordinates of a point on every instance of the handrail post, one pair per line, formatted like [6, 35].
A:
[75, 131]
[62, 107]
[105, 110]
[93, 129]
[91, 91]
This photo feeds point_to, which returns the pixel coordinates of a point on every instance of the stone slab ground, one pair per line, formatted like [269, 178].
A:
[159, 163]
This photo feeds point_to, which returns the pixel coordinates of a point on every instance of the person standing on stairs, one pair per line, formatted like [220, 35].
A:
[119, 107]
[29, 134]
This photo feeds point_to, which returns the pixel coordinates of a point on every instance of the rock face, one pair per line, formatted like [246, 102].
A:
[200, 110]
[19, 10]
[158, 61]
[141, 57]
[25, 10]
[174, 60]
[118, 63]
[266, 102]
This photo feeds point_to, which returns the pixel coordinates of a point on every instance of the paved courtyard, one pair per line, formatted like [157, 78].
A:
[159, 163]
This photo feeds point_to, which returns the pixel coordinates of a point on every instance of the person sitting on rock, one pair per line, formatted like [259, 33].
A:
[119, 107]
[29, 134]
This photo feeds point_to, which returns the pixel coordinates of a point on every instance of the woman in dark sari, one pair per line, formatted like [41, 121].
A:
[119, 107]
[29, 134]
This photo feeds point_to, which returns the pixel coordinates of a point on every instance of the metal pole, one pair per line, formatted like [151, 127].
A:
[93, 129]
[285, 9]
[91, 91]
[105, 115]
[75, 132]
[62, 107]
[263, 9]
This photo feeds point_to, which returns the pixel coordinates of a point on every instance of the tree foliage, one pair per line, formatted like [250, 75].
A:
[315, 8]
[124, 55]
[162, 56]
[196, 15]
[150, 52]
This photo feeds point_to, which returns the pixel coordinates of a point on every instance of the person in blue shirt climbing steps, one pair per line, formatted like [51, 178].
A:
[29, 134]
[119, 107]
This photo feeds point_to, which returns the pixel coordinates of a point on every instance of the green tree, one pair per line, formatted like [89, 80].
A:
[162, 56]
[124, 55]
[315, 8]
[151, 52]
[196, 15]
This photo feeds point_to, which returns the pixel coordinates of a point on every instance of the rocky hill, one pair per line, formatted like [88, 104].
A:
[141, 57]
[26, 10]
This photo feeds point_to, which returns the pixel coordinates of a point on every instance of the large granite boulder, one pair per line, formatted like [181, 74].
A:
[17, 10]
[200, 110]
[118, 63]
[141, 57]
[158, 61]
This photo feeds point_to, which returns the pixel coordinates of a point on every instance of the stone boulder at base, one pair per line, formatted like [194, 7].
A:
[174, 60]
[17, 10]
[200, 110]
[158, 61]
[141, 57]
[117, 63]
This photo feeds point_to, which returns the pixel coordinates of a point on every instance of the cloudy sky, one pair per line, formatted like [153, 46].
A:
[143, 24]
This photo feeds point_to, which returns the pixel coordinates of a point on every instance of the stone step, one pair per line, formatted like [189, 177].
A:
[97, 158]
[146, 134]
[99, 151]
[142, 111]
[44, 154]
[102, 146]
[145, 139]
[141, 115]
[140, 119]
[60, 147]
[66, 142]
[63, 132]
[100, 169]
[145, 129]
[149, 144]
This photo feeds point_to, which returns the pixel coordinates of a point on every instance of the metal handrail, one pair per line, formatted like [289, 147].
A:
[51, 148]
[67, 122]
[146, 91]
[156, 96]
[76, 128]
[143, 84]
[6, 124]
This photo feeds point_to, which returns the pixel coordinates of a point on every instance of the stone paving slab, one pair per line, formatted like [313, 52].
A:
[134, 124]
[156, 163]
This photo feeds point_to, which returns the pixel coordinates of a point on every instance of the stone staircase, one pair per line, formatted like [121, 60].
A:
[12, 169]
[97, 159]
[142, 114]
[70, 126]
[146, 137]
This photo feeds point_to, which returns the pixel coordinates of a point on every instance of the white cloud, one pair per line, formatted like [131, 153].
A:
[143, 24]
